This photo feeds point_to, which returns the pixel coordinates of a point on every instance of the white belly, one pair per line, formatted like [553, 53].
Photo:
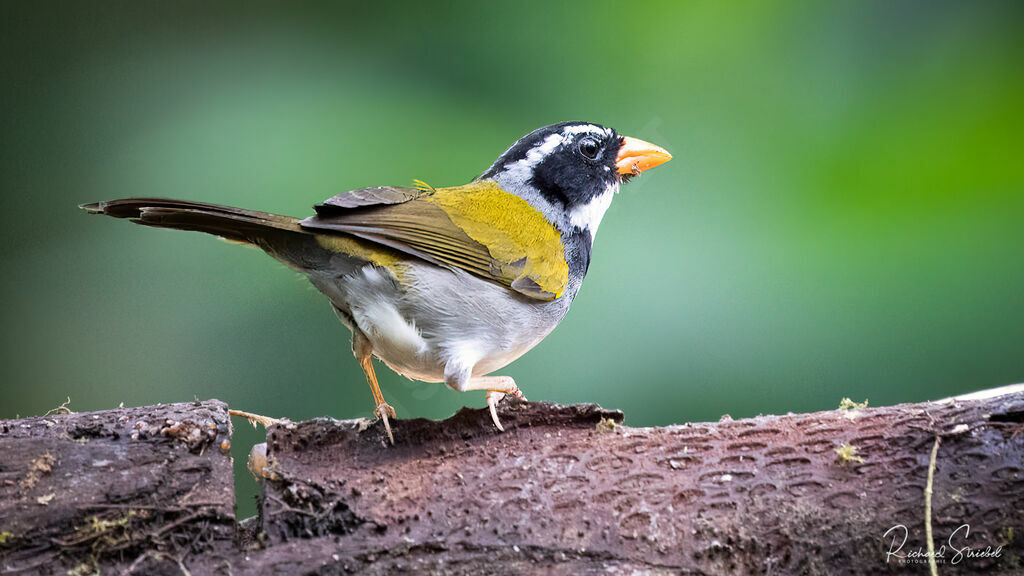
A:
[441, 317]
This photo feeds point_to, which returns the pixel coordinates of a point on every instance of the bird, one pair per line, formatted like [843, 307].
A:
[443, 284]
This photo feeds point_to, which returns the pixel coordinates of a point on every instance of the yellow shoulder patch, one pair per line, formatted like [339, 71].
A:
[515, 233]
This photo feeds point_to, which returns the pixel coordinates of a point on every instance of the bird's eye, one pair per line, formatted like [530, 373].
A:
[589, 148]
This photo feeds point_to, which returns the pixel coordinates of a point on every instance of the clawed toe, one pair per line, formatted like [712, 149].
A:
[383, 411]
[493, 397]
[492, 402]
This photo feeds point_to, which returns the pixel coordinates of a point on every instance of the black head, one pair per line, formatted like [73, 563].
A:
[569, 164]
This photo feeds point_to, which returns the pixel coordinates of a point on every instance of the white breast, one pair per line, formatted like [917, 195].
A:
[442, 316]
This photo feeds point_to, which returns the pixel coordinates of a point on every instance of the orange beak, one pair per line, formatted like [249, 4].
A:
[635, 156]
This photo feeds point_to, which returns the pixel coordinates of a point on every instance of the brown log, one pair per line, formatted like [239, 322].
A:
[108, 491]
[565, 490]
[568, 490]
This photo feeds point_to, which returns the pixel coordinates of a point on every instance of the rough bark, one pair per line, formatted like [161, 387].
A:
[566, 490]
[118, 489]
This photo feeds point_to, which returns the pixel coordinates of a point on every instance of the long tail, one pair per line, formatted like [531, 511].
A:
[280, 236]
[235, 224]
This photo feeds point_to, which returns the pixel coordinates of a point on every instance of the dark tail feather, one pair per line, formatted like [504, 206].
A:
[280, 236]
[235, 224]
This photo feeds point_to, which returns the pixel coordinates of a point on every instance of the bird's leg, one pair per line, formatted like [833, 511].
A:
[497, 387]
[361, 348]
[383, 409]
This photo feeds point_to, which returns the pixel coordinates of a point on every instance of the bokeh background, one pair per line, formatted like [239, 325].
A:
[843, 216]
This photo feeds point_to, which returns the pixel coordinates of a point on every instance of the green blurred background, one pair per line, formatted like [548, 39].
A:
[843, 216]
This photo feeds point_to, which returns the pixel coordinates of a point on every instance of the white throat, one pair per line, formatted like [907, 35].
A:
[588, 216]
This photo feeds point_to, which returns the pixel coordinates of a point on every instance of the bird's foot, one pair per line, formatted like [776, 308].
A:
[494, 396]
[383, 411]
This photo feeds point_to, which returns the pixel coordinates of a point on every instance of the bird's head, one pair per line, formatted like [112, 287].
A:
[571, 171]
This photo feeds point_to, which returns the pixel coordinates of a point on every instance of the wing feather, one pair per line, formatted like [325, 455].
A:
[374, 196]
[478, 228]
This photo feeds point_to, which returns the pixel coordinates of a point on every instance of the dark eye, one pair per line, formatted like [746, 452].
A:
[589, 148]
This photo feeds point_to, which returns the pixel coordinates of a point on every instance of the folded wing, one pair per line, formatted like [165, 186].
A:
[478, 228]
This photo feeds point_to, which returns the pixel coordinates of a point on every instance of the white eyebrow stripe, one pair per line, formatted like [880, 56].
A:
[546, 147]
[533, 156]
[586, 129]
[523, 169]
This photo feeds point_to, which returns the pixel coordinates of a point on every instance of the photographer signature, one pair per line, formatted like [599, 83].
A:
[900, 534]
